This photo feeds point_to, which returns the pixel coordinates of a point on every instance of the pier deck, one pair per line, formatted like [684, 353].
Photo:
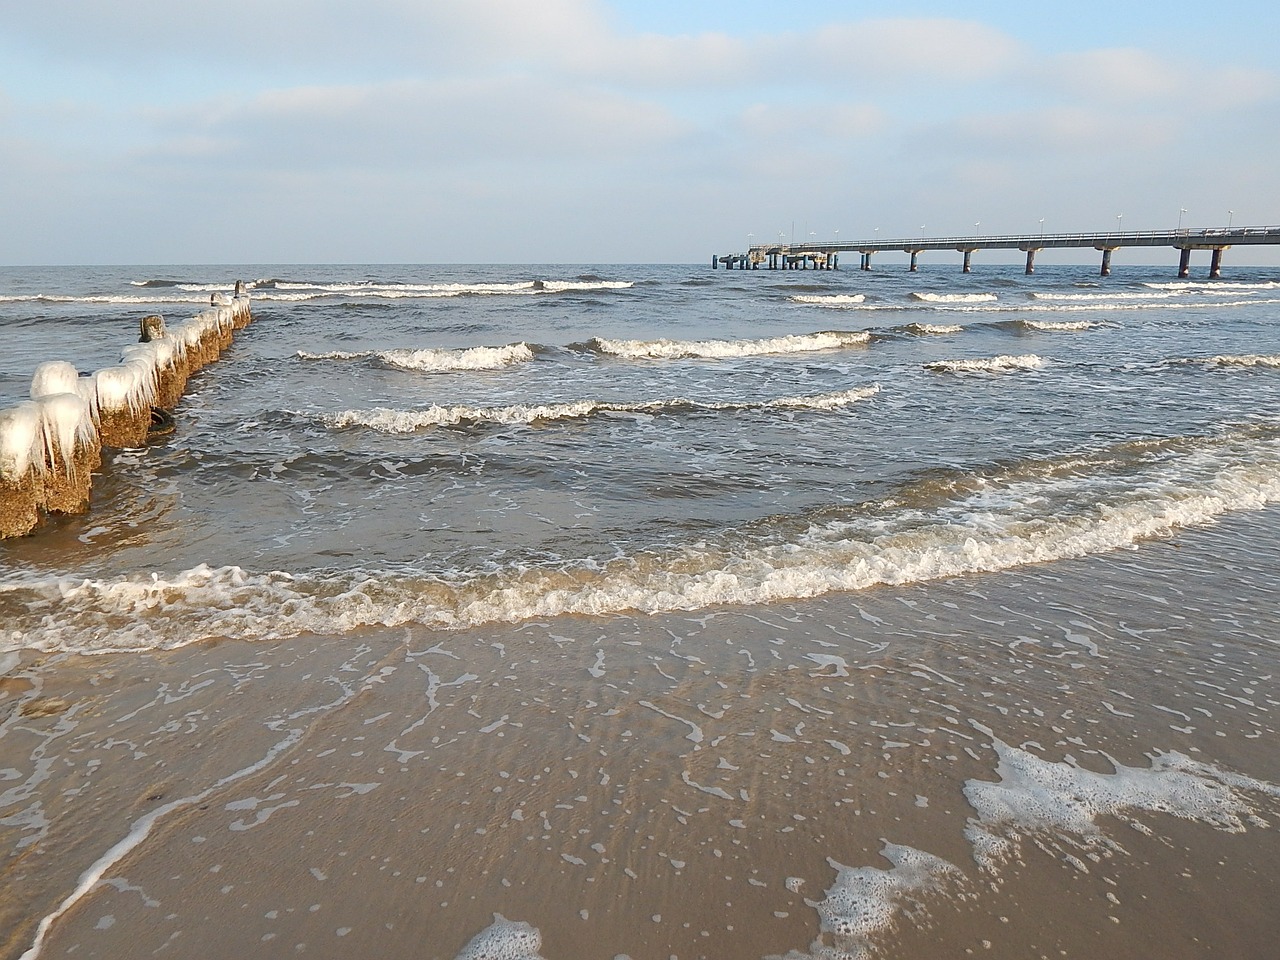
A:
[820, 256]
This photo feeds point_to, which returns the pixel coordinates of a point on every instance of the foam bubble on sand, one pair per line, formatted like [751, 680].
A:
[1038, 796]
[504, 940]
[717, 349]
[864, 902]
[955, 297]
[1000, 364]
[1052, 325]
[436, 360]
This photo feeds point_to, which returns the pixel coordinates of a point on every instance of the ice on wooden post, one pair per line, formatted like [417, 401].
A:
[70, 452]
[126, 394]
[20, 486]
[57, 377]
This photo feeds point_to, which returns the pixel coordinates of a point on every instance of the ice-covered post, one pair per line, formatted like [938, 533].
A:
[21, 491]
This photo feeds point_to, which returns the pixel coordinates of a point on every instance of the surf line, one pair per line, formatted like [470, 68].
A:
[51, 444]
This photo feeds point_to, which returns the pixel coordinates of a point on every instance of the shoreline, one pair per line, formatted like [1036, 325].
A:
[699, 752]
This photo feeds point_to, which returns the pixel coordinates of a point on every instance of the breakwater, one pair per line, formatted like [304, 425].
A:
[51, 444]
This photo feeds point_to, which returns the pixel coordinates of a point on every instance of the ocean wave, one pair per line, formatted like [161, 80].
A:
[931, 329]
[386, 420]
[1104, 502]
[836, 300]
[1213, 285]
[1102, 297]
[302, 290]
[1238, 360]
[1000, 364]
[955, 297]
[436, 360]
[1050, 325]
[718, 349]
[107, 298]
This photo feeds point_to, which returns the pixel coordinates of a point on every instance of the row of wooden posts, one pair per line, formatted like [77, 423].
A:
[51, 444]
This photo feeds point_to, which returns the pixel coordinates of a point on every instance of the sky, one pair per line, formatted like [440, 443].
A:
[631, 131]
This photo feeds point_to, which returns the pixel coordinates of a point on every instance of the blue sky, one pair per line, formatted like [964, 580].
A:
[584, 131]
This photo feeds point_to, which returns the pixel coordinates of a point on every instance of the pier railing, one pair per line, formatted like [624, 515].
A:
[825, 255]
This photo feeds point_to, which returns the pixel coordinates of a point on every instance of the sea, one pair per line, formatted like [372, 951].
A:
[656, 612]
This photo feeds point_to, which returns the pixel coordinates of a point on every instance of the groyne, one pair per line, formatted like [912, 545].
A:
[51, 444]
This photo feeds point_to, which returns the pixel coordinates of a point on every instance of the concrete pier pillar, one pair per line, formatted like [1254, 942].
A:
[914, 255]
[1184, 263]
[1031, 262]
[715, 262]
[835, 261]
[1215, 264]
[968, 265]
[1106, 263]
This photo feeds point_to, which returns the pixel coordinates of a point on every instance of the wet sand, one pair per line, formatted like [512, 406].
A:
[682, 785]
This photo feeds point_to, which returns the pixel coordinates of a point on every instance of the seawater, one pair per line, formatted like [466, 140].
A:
[1019, 528]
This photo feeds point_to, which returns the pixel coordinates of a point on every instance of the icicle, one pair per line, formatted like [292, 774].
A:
[70, 451]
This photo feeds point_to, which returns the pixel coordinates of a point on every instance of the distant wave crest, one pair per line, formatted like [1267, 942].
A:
[717, 349]
[1000, 364]
[386, 420]
[437, 360]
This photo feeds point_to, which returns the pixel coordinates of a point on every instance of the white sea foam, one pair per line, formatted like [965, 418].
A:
[1212, 285]
[1110, 295]
[865, 902]
[1065, 801]
[1058, 325]
[931, 329]
[716, 349]
[834, 300]
[1002, 526]
[1238, 360]
[437, 360]
[407, 421]
[1000, 364]
[504, 940]
[955, 297]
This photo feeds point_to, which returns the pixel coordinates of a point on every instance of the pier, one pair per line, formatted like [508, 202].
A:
[826, 256]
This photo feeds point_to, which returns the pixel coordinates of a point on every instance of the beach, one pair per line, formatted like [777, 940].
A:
[632, 611]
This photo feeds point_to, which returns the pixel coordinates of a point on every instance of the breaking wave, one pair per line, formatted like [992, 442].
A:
[716, 349]
[955, 297]
[1000, 364]
[835, 300]
[931, 329]
[1046, 512]
[408, 421]
[1058, 324]
[436, 360]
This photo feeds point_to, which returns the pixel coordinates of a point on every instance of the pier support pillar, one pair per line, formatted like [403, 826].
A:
[1031, 262]
[968, 265]
[1184, 263]
[835, 261]
[1106, 263]
[715, 262]
[1215, 264]
[914, 255]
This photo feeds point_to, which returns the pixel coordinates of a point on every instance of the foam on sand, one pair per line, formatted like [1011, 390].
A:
[1001, 364]
[504, 940]
[720, 349]
[865, 902]
[1062, 800]
[392, 421]
[437, 359]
